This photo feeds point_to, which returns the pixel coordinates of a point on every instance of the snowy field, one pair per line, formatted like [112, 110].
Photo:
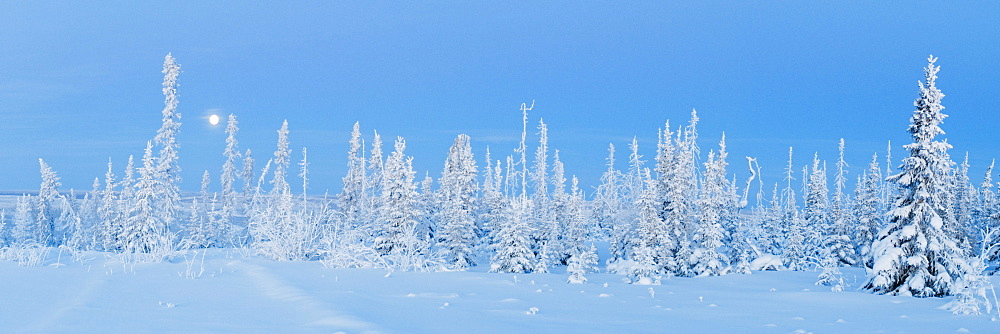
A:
[236, 293]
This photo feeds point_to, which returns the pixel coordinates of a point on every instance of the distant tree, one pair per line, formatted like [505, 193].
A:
[25, 226]
[965, 198]
[987, 217]
[914, 255]
[4, 227]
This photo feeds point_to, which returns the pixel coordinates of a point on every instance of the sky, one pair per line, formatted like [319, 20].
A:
[80, 83]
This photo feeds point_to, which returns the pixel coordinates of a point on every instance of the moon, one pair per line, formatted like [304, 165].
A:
[214, 119]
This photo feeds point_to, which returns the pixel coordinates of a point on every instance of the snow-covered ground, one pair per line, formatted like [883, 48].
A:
[246, 294]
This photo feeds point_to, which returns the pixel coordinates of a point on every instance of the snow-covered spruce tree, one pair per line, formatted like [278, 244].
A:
[306, 221]
[492, 202]
[25, 226]
[560, 214]
[542, 219]
[373, 190]
[743, 249]
[167, 173]
[201, 229]
[662, 207]
[816, 209]
[965, 197]
[273, 227]
[457, 236]
[68, 224]
[489, 187]
[86, 236]
[772, 229]
[144, 231]
[230, 196]
[429, 204]
[580, 263]
[107, 212]
[647, 246]
[795, 253]
[970, 289]
[830, 274]
[511, 239]
[246, 173]
[623, 233]
[575, 233]
[48, 195]
[914, 255]
[680, 190]
[708, 259]
[838, 235]
[868, 211]
[4, 227]
[352, 197]
[987, 217]
[126, 201]
[397, 241]
[608, 202]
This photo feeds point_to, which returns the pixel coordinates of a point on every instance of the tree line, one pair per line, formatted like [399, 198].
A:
[919, 227]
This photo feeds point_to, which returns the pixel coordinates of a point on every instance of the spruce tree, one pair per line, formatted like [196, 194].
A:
[48, 195]
[353, 196]
[708, 258]
[398, 213]
[868, 211]
[167, 170]
[458, 195]
[511, 239]
[144, 231]
[230, 196]
[914, 254]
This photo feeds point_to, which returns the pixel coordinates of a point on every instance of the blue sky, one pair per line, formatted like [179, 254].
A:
[80, 83]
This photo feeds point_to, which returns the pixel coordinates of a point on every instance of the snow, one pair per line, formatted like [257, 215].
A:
[95, 292]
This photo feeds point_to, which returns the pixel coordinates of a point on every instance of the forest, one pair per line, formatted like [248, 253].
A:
[919, 226]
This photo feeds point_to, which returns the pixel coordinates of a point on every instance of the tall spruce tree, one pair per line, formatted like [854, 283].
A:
[708, 259]
[166, 192]
[914, 254]
[458, 196]
[230, 196]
